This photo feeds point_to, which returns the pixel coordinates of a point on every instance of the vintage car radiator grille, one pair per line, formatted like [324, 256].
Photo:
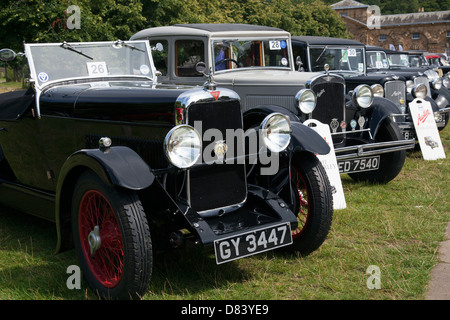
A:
[330, 108]
[396, 92]
[217, 185]
[424, 80]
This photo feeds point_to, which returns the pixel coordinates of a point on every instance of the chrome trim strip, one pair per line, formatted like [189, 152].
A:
[380, 148]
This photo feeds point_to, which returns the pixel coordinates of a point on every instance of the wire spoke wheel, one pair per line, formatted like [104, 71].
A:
[302, 208]
[104, 253]
[111, 238]
[308, 194]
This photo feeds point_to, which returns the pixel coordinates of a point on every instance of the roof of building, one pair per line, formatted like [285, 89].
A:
[348, 4]
[415, 18]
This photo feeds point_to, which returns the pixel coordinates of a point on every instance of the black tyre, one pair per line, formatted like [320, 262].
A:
[111, 238]
[390, 163]
[309, 196]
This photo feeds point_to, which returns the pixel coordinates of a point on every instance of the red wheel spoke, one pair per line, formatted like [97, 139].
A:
[303, 201]
[107, 262]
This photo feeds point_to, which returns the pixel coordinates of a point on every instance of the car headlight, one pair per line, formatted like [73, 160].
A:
[306, 100]
[183, 146]
[446, 82]
[436, 83]
[276, 132]
[377, 90]
[363, 96]
[409, 85]
[419, 91]
[431, 74]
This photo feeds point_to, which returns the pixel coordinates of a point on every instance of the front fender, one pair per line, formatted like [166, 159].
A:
[381, 108]
[306, 139]
[120, 165]
[441, 97]
[117, 166]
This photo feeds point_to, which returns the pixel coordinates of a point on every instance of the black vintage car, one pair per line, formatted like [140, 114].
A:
[388, 62]
[350, 58]
[125, 166]
[257, 63]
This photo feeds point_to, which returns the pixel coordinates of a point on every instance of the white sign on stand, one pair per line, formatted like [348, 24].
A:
[426, 130]
[329, 162]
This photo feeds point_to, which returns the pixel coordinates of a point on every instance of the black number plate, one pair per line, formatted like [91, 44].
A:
[359, 164]
[250, 243]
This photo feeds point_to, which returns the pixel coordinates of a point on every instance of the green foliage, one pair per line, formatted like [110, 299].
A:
[46, 21]
[297, 17]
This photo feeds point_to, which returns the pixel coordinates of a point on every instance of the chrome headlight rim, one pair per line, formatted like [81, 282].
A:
[275, 131]
[378, 90]
[191, 146]
[446, 83]
[431, 74]
[419, 91]
[363, 96]
[306, 100]
[436, 83]
[409, 86]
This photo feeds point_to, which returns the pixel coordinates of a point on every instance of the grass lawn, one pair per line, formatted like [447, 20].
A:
[396, 227]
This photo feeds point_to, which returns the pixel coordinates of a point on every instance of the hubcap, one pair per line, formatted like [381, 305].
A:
[94, 240]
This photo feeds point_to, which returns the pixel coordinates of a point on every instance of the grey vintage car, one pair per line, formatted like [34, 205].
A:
[257, 63]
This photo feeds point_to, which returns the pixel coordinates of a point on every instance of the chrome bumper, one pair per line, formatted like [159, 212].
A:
[371, 149]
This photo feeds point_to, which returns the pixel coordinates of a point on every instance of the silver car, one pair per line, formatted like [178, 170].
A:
[257, 63]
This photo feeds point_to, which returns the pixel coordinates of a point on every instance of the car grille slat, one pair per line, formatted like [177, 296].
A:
[330, 108]
[217, 185]
[395, 91]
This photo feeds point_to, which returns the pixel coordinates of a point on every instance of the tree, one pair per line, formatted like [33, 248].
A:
[38, 21]
[295, 16]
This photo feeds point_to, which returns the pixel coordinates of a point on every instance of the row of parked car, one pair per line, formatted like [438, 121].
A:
[195, 133]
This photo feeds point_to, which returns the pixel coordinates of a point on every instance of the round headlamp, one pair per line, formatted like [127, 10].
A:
[377, 90]
[409, 85]
[183, 146]
[431, 74]
[276, 132]
[363, 96]
[446, 82]
[436, 83]
[419, 91]
[306, 100]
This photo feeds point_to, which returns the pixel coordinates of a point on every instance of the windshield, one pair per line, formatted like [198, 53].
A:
[247, 53]
[398, 60]
[339, 59]
[417, 60]
[377, 60]
[57, 61]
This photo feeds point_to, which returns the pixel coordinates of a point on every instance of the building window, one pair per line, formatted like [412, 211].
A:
[415, 35]
[382, 37]
[448, 34]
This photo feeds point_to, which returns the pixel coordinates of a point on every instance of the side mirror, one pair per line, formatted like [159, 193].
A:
[7, 55]
[200, 67]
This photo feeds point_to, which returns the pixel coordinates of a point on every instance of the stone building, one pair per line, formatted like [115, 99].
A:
[427, 31]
